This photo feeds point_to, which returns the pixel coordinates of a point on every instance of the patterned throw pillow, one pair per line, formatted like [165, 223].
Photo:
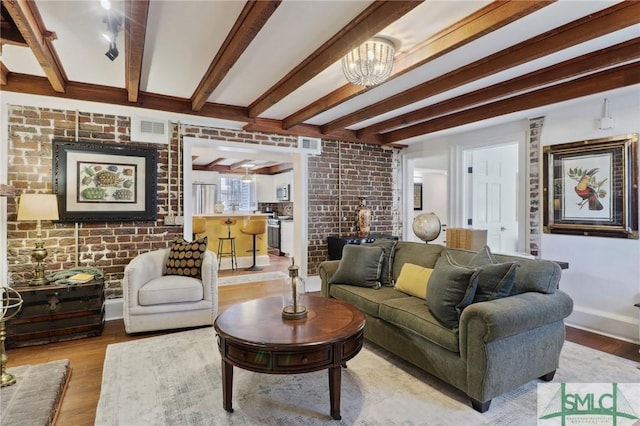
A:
[185, 258]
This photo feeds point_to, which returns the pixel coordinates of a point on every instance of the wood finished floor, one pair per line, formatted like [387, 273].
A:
[87, 355]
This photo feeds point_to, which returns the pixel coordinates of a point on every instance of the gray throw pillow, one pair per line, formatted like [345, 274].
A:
[360, 265]
[453, 290]
[389, 247]
[495, 281]
[483, 257]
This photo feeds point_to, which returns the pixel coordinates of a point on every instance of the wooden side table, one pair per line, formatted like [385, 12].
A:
[55, 313]
[254, 336]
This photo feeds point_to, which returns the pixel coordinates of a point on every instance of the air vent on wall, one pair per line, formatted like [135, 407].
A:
[310, 145]
[149, 130]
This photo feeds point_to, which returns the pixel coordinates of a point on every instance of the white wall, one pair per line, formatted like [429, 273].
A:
[604, 273]
[434, 199]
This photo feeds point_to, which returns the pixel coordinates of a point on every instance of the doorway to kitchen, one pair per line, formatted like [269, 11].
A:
[192, 146]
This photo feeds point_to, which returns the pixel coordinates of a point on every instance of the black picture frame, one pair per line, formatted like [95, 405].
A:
[98, 182]
[417, 196]
[591, 187]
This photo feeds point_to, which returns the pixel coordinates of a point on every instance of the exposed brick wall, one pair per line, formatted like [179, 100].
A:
[108, 246]
[346, 169]
[344, 172]
[535, 198]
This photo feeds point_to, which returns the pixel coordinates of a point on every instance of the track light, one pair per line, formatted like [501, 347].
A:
[112, 53]
[113, 26]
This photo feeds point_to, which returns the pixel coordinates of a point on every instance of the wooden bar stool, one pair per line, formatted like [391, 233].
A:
[255, 227]
[232, 245]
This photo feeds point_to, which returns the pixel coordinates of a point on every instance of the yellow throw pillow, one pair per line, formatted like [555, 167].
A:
[413, 280]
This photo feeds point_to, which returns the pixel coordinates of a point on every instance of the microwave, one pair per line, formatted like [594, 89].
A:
[282, 192]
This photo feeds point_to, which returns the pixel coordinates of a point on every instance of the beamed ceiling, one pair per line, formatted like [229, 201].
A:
[274, 66]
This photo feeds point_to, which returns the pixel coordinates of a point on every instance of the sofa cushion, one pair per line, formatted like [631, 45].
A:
[366, 299]
[425, 255]
[451, 289]
[495, 281]
[388, 246]
[185, 258]
[413, 280]
[170, 289]
[360, 265]
[413, 314]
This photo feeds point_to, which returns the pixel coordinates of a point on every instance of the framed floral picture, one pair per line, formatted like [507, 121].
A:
[104, 183]
[591, 187]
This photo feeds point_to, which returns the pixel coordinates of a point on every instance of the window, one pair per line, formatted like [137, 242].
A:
[234, 192]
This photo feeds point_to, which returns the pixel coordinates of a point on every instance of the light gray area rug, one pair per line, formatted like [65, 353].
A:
[250, 278]
[175, 380]
[35, 397]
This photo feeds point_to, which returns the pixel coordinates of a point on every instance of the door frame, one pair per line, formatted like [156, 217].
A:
[299, 197]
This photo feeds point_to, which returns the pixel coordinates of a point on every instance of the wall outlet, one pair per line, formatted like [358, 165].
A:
[169, 220]
[179, 220]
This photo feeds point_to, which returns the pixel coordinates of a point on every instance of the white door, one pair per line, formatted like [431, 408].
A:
[494, 178]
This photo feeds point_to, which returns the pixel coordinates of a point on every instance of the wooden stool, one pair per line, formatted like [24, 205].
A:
[255, 227]
[232, 246]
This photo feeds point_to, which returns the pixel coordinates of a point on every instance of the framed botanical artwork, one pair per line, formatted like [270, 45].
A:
[591, 187]
[417, 196]
[98, 182]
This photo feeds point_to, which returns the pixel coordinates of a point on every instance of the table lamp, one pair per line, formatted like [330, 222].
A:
[38, 207]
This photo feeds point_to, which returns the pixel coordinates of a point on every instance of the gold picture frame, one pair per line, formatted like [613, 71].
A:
[591, 187]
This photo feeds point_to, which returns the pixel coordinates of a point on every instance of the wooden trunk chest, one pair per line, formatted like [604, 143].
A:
[55, 313]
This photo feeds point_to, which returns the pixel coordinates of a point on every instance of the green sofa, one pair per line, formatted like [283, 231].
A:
[499, 344]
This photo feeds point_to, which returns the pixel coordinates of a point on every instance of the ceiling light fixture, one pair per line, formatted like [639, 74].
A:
[247, 178]
[370, 63]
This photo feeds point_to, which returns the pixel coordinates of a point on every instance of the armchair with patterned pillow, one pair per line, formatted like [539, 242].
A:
[171, 288]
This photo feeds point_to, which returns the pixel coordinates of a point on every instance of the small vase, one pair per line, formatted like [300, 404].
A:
[363, 218]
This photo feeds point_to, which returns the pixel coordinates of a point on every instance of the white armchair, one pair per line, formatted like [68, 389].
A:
[153, 301]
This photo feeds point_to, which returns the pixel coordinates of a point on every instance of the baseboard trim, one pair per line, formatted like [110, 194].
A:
[114, 309]
[619, 327]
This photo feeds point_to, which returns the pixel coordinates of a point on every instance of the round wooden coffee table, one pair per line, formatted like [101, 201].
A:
[254, 336]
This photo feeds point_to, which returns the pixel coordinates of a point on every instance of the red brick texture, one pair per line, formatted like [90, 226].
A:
[344, 171]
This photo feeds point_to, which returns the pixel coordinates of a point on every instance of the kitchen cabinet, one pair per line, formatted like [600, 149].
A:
[265, 189]
[286, 237]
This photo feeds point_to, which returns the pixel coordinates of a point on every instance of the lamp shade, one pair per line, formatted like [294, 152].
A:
[38, 207]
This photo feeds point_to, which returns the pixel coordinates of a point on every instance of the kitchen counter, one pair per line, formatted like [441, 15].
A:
[216, 228]
[233, 214]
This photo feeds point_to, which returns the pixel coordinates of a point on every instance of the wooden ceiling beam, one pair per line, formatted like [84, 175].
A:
[9, 34]
[375, 18]
[4, 73]
[29, 22]
[117, 96]
[251, 20]
[265, 125]
[489, 18]
[611, 79]
[591, 62]
[614, 18]
[135, 30]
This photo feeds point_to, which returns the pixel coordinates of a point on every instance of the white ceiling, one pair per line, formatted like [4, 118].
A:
[182, 38]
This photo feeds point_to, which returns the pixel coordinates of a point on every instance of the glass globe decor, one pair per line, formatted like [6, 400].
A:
[293, 295]
[427, 226]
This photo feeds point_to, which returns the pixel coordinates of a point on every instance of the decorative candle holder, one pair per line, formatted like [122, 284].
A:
[294, 295]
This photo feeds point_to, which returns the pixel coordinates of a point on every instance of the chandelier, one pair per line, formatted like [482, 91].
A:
[370, 63]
